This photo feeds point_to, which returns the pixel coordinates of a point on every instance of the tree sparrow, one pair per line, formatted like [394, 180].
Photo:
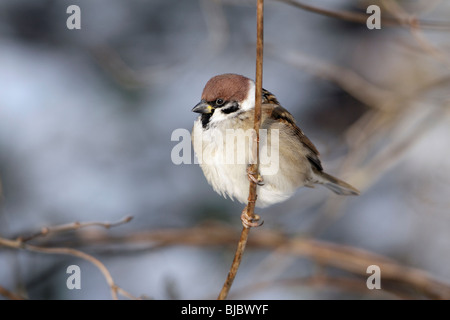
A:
[227, 105]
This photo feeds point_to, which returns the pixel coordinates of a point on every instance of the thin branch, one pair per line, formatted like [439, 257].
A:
[426, 46]
[82, 255]
[73, 226]
[235, 265]
[250, 208]
[362, 18]
[347, 79]
[20, 243]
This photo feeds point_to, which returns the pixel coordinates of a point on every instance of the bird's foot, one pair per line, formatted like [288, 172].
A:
[249, 222]
[254, 176]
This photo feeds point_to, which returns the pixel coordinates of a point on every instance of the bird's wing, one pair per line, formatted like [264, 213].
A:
[274, 111]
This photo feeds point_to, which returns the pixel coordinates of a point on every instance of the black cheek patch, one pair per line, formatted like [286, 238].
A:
[233, 108]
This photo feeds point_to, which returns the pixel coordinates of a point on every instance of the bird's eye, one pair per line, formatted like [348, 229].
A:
[219, 102]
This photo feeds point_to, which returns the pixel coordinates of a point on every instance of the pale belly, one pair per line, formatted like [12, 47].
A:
[232, 181]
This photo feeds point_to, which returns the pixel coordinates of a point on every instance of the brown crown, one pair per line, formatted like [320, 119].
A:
[229, 87]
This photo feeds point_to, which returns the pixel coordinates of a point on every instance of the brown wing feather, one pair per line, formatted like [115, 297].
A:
[281, 114]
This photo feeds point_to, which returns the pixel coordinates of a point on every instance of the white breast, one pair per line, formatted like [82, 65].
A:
[210, 148]
[230, 179]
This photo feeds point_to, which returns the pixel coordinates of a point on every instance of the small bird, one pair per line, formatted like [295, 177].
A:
[227, 106]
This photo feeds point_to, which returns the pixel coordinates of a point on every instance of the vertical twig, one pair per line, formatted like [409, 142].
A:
[255, 167]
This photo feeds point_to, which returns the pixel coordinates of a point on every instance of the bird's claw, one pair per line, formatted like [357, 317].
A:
[249, 222]
[255, 177]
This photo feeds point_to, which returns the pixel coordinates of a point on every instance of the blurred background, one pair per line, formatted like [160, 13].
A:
[86, 118]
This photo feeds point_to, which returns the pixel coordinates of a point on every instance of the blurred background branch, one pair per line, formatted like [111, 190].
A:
[411, 282]
[20, 244]
[397, 20]
[10, 295]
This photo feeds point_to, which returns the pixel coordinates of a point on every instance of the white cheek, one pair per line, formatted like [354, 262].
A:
[218, 116]
[249, 101]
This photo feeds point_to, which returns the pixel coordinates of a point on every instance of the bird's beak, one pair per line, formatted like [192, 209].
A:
[203, 107]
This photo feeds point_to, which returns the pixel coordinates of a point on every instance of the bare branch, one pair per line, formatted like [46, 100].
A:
[20, 243]
[416, 30]
[74, 226]
[354, 84]
[350, 259]
[362, 18]
[250, 208]
[10, 295]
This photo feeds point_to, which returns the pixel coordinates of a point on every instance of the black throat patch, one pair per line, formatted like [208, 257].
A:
[205, 119]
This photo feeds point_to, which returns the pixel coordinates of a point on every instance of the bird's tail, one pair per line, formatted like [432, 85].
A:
[336, 185]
